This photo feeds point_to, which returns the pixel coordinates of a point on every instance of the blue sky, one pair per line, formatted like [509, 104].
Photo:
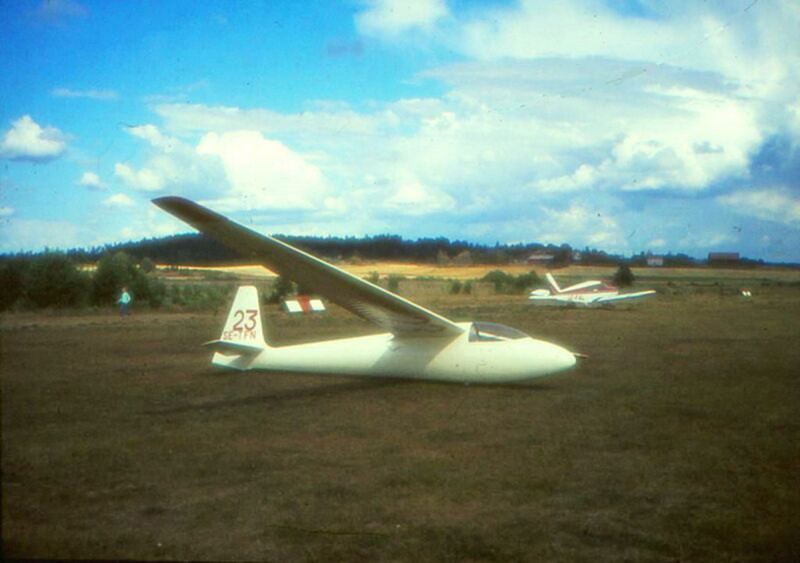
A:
[625, 126]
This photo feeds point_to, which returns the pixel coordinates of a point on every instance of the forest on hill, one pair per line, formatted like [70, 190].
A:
[197, 249]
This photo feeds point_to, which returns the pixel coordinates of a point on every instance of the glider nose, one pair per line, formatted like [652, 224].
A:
[547, 358]
[564, 359]
[560, 359]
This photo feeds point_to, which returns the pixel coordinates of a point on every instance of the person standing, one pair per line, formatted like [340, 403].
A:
[124, 303]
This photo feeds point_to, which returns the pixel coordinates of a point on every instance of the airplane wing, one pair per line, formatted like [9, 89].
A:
[389, 311]
[582, 285]
[624, 296]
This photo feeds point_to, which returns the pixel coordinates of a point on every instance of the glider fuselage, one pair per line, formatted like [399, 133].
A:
[463, 358]
[575, 299]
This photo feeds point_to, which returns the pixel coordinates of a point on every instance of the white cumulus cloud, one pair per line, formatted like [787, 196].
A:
[583, 224]
[171, 163]
[118, 200]
[263, 173]
[771, 204]
[155, 137]
[390, 18]
[27, 140]
[413, 198]
[91, 180]
[145, 179]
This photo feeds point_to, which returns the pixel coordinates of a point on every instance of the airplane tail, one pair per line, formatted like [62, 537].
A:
[242, 338]
[552, 281]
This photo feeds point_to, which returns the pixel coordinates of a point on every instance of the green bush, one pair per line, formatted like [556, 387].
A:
[525, 281]
[394, 283]
[623, 276]
[12, 282]
[500, 279]
[200, 297]
[54, 281]
[118, 270]
[507, 283]
[282, 288]
[114, 271]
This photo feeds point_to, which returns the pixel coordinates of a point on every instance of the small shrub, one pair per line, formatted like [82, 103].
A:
[507, 283]
[280, 289]
[394, 283]
[147, 265]
[623, 276]
[525, 281]
[500, 279]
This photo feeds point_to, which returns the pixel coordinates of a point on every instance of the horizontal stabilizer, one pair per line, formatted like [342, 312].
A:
[581, 286]
[232, 347]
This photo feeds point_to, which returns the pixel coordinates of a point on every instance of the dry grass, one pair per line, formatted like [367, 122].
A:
[411, 270]
[678, 439]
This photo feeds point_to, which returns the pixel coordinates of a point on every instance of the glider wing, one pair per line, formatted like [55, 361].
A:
[389, 311]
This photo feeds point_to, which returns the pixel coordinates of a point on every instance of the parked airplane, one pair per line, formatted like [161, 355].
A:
[418, 344]
[585, 294]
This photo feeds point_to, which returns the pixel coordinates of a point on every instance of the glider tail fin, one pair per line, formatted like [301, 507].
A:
[243, 335]
[244, 319]
[552, 281]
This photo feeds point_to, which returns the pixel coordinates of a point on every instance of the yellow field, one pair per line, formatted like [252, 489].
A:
[410, 270]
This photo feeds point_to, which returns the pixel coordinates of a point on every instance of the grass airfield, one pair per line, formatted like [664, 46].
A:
[678, 439]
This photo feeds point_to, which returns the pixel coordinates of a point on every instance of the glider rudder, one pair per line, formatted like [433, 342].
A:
[243, 333]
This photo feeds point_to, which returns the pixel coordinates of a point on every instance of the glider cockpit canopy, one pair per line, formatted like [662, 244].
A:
[493, 332]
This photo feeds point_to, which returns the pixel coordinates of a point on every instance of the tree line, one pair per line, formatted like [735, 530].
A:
[54, 280]
[197, 249]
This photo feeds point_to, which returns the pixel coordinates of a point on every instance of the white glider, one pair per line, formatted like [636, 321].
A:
[585, 294]
[417, 344]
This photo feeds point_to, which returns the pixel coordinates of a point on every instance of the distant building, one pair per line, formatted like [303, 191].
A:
[541, 258]
[655, 261]
[724, 259]
[576, 256]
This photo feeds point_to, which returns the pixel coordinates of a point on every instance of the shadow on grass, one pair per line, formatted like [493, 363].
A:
[336, 388]
[284, 395]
